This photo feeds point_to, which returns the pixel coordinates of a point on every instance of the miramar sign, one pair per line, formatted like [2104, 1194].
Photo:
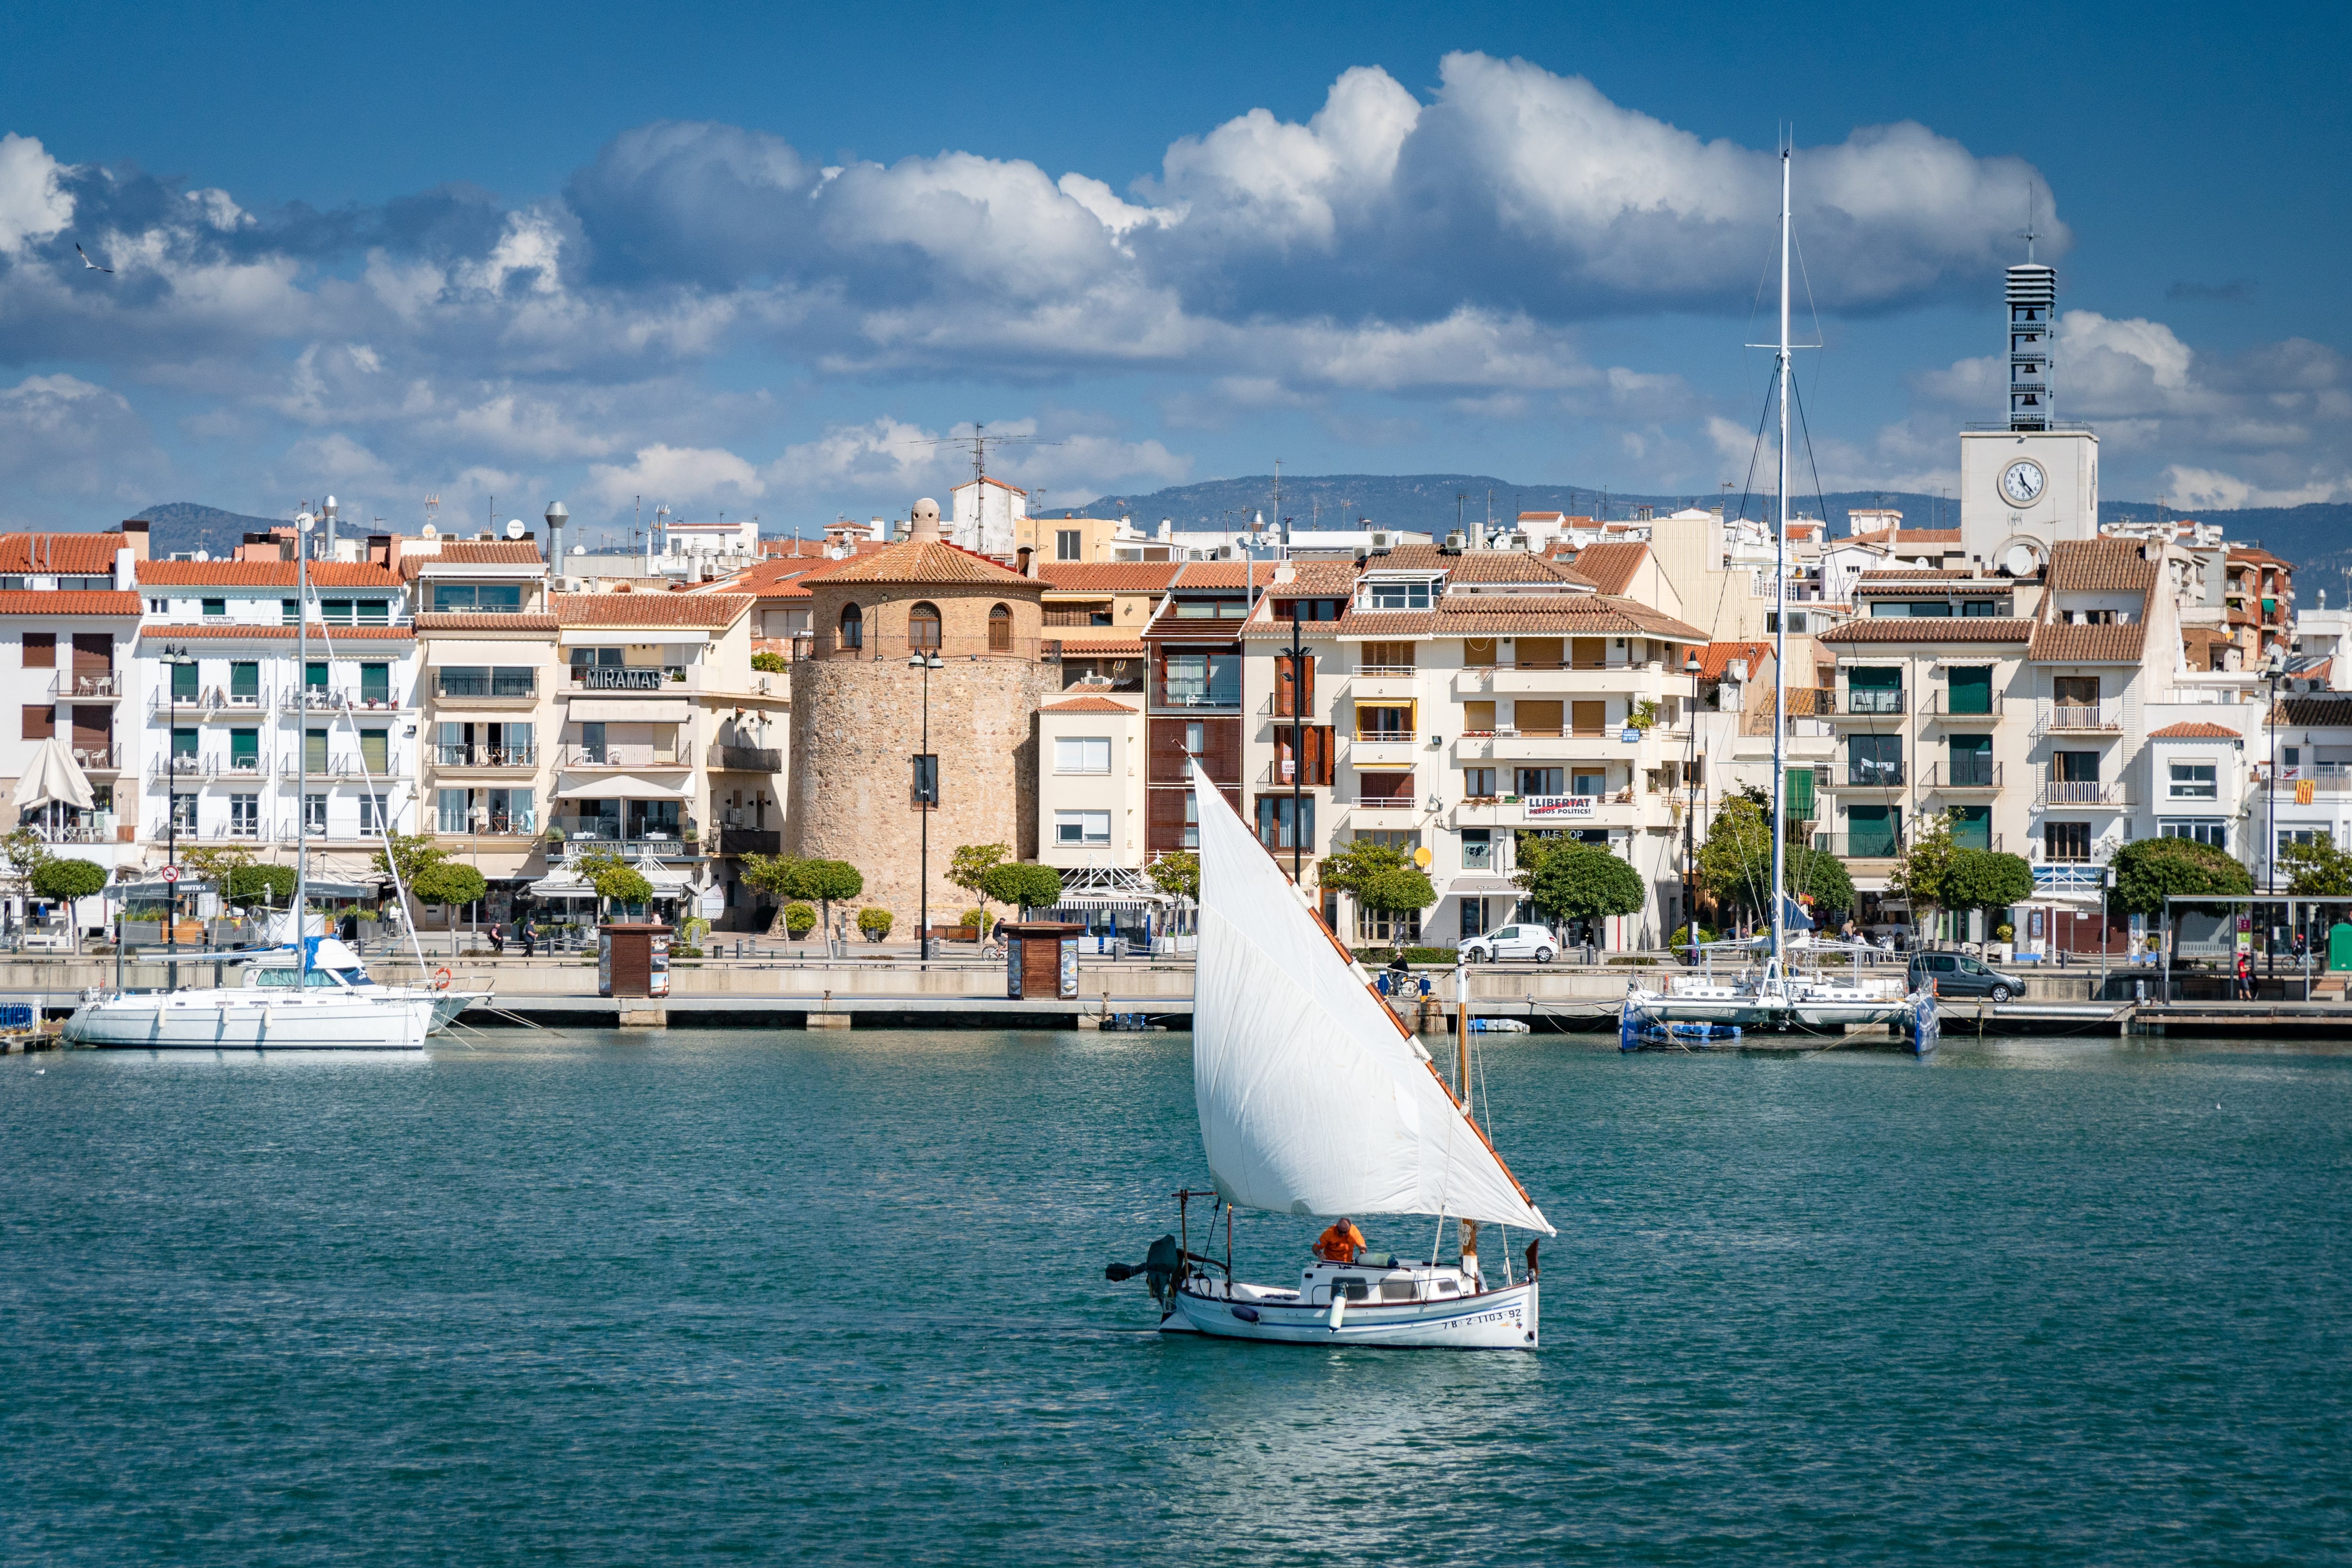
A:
[618, 678]
[1560, 805]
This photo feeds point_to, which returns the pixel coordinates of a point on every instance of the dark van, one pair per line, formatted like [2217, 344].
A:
[1958, 974]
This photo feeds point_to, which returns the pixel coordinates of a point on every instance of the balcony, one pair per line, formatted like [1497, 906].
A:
[516, 685]
[1376, 671]
[1939, 708]
[449, 757]
[1980, 778]
[1400, 803]
[576, 834]
[1851, 703]
[1279, 774]
[2084, 792]
[749, 840]
[2084, 877]
[747, 758]
[1858, 846]
[585, 758]
[359, 769]
[1382, 737]
[83, 686]
[2080, 718]
[102, 833]
[1867, 776]
[1212, 697]
[326, 700]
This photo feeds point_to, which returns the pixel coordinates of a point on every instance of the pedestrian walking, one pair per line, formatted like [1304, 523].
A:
[530, 935]
[2245, 978]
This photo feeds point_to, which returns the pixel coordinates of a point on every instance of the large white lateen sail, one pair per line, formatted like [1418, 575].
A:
[1313, 1098]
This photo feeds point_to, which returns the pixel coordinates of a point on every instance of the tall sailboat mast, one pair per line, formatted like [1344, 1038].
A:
[302, 737]
[1781, 596]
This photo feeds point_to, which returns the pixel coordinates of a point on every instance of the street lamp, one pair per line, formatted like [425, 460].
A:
[1690, 799]
[927, 797]
[2274, 669]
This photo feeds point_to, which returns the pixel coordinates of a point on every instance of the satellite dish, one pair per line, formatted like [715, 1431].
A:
[579, 549]
[2018, 561]
[202, 555]
[514, 528]
[431, 532]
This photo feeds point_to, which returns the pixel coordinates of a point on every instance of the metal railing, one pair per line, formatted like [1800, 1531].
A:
[80, 684]
[73, 832]
[1940, 706]
[521, 684]
[615, 755]
[1279, 774]
[1387, 670]
[1376, 736]
[2080, 716]
[463, 756]
[323, 699]
[1957, 775]
[595, 833]
[1867, 703]
[1216, 697]
[747, 758]
[1874, 775]
[1382, 802]
[1858, 846]
[2082, 792]
[97, 759]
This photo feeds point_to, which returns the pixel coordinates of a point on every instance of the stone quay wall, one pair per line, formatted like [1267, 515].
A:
[856, 726]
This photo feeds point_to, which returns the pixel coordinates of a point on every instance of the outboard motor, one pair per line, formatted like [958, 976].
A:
[1160, 1268]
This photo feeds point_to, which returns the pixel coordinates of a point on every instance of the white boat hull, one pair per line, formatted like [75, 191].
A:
[253, 1020]
[1491, 1320]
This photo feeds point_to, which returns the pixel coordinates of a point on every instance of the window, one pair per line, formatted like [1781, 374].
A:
[1196, 737]
[1983, 607]
[370, 815]
[2074, 691]
[244, 681]
[491, 596]
[1797, 622]
[314, 751]
[289, 611]
[1395, 656]
[2195, 782]
[1970, 690]
[1384, 721]
[1972, 827]
[1068, 543]
[1874, 831]
[183, 681]
[2066, 841]
[1477, 850]
[376, 685]
[1212, 608]
[184, 815]
[592, 742]
[853, 626]
[514, 811]
[999, 630]
[1478, 783]
[1378, 925]
[184, 744]
[2211, 831]
[245, 750]
[40, 650]
[159, 607]
[378, 612]
[216, 609]
[337, 612]
[927, 778]
[314, 813]
[1878, 690]
[449, 811]
[1539, 781]
[375, 751]
[245, 815]
[1874, 759]
[1275, 821]
[923, 627]
[1192, 822]
[1397, 595]
[314, 678]
[1971, 762]
[1082, 754]
[1478, 653]
[2288, 837]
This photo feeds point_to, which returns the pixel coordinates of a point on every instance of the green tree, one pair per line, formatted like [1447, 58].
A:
[1983, 879]
[1024, 886]
[1924, 866]
[67, 879]
[1820, 876]
[448, 882]
[1350, 868]
[875, 923]
[791, 878]
[1735, 859]
[969, 867]
[246, 887]
[24, 849]
[614, 879]
[2316, 870]
[767, 664]
[1379, 881]
[2148, 871]
[1579, 881]
[410, 853]
[799, 919]
[1176, 873]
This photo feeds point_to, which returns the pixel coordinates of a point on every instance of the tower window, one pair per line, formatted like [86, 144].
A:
[853, 626]
[999, 630]
[923, 627]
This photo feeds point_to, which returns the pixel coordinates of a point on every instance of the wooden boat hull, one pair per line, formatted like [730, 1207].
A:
[1491, 1320]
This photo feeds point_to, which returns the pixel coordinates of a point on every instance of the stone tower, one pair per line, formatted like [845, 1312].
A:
[858, 710]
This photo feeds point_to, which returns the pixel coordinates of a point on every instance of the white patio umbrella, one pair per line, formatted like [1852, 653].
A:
[54, 780]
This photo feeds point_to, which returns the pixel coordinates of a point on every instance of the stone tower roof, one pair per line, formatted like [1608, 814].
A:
[930, 561]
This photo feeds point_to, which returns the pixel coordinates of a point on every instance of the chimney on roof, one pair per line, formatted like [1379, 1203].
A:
[135, 534]
[379, 549]
[1021, 563]
[923, 523]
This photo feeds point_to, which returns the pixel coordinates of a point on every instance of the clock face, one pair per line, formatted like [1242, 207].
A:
[2021, 481]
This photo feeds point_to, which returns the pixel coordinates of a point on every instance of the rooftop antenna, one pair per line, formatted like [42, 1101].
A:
[432, 510]
[2028, 234]
[1279, 521]
[980, 440]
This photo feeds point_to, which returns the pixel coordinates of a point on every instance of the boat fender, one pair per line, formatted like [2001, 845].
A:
[1246, 1314]
[1338, 1310]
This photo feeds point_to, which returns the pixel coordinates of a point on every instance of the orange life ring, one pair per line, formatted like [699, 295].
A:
[440, 980]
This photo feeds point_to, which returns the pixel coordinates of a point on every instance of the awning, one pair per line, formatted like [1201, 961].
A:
[1479, 884]
[567, 882]
[155, 889]
[576, 786]
[630, 710]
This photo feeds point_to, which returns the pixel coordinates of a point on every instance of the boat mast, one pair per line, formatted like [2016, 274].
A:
[302, 741]
[1780, 597]
[1462, 1096]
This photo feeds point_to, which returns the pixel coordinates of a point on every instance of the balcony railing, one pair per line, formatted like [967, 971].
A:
[74, 832]
[1859, 846]
[621, 757]
[323, 699]
[247, 830]
[1958, 774]
[1376, 736]
[1942, 705]
[1387, 670]
[2080, 717]
[597, 833]
[747, 758]
[749, 840]
[1874, 775]
[489, 823]
[1215, 697]
[2083, 793]
[1869, 703]
[462, 755]
[79, 684]
[1383, 802]
[524, 684]
[1280, 773]
[97, 759]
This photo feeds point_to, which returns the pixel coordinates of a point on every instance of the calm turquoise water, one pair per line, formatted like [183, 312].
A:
[839, 1297]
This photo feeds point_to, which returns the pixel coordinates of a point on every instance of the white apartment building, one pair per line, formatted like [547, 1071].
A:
[986, 515]
[243, 732]
[1090, 766]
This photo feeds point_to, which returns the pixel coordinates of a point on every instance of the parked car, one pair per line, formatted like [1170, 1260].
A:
[1958, 974]
[1535, 942]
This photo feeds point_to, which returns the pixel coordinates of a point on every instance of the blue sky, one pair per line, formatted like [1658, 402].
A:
[750, 259]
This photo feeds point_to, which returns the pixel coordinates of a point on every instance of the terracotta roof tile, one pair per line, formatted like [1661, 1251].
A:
[1897, 577]
[1088, 705]
[69, 555]
[2100, 566]
[2255, 555]
[73, 601]
[921, 564]
[1901, 537]
[1107, 577]
[1610, 567]
[261, 574]
[2196, 732]
[1223, 574]
[480, 552]
[1717, 656]
[2112, 644]
[1314, 580]
[1382, 624]
[481, 620]
[1086, 646]
[1931, 628]
[262, 632]
[707, 611]
[1557, 615]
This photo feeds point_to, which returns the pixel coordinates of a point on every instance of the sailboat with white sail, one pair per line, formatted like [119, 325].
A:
[1315, 1098]
[1779, 995]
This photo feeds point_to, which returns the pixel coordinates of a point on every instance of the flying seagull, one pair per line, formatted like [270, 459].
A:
[86, 260]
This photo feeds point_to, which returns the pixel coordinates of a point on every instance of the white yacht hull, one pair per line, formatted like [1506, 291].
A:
[1490, 1319]
[243, 1020]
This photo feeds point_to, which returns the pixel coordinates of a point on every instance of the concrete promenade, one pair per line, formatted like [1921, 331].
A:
[785, 990]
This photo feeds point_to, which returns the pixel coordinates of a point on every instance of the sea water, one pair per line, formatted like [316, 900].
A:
[585, 1298]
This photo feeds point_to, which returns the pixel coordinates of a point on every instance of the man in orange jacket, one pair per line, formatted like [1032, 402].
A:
[1340, 1243]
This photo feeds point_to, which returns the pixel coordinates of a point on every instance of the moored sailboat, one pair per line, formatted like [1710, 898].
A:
[1315, 1098]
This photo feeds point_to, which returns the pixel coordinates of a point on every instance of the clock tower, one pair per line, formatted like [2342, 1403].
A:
[2028, 482]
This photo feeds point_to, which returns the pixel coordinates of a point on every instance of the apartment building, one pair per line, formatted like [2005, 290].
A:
[1091, 764]
[245, 732]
